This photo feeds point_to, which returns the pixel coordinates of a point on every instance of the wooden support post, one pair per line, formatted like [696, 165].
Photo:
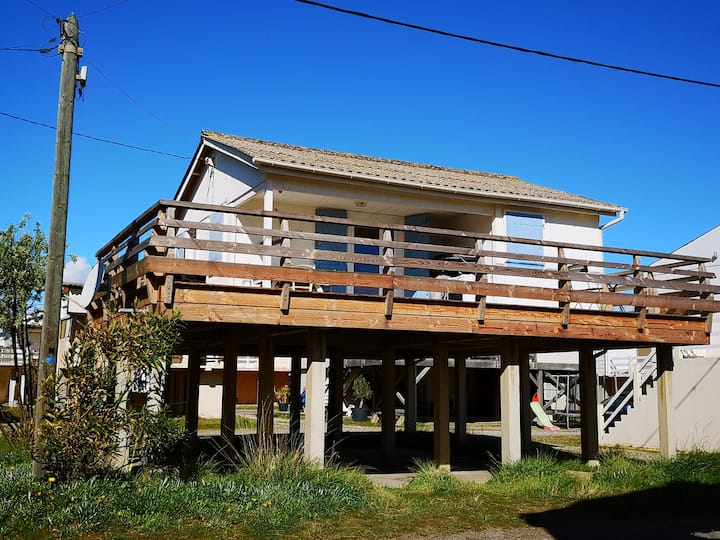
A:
[192, 391]
[666, 406]
[336, 398]
[315, 398]
[441, 406]
[460, 398]
[525, 400]
[511, 445]
[295, 391]
[388, 401]
[266, 392]
[227, 422]
[410, 395]
[589, 433]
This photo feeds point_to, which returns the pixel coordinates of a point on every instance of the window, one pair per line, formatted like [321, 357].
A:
[524, 226]
[326, 245]
[422, 220]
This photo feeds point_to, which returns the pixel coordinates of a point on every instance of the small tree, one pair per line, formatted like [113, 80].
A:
[362, 390]
[89, 424]
[23, 263]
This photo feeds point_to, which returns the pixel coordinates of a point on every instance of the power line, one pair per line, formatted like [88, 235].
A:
[135, 101]
[505, 45]
[106, 8]
[45, 11]
[93, 138]
[20, 49]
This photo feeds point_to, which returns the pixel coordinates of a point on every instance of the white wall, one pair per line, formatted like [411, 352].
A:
[210, 397]
[560, 227]
[697, 410]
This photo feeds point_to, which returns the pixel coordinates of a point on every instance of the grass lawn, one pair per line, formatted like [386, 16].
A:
[278, 494]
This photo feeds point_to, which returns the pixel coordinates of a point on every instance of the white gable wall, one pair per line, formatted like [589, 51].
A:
[557, 226]
[696, 381]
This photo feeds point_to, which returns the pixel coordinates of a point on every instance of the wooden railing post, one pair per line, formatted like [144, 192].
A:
[480, 277]
[639, 290]
[169, 285]
[388, 269]
[565, 285]
[285, 262]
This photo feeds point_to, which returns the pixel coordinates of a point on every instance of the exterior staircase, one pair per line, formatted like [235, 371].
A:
[639, 383]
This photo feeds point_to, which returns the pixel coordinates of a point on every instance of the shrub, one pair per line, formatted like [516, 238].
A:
[361, 390]
[89, 419]
[155, 437]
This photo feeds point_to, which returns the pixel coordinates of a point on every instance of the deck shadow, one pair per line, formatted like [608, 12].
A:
[365, 450]
[678, 510]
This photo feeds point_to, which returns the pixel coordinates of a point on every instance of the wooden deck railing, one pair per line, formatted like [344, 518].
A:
[179, 242]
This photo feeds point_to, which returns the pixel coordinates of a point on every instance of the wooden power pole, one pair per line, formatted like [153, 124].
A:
[71, 52]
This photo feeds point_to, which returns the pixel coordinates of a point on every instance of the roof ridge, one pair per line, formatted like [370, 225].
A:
[375, 159]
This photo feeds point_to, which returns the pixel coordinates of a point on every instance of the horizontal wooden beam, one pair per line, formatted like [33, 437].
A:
[163, 265]
[329, 311]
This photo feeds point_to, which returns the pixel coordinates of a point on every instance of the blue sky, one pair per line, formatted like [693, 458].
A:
[288, 72]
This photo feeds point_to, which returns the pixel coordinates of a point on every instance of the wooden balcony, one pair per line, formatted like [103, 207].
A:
[267, 269]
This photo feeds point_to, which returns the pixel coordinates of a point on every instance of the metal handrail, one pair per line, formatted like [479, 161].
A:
[613, 408]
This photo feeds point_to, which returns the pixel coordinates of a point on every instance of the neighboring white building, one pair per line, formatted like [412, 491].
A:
[696, 383]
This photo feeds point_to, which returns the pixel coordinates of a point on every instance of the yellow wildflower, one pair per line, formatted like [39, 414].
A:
[51, 479]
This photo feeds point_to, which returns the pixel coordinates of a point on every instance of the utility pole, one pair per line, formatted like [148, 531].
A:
[71, 52]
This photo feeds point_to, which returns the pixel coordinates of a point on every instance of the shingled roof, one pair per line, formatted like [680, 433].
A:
[402, 172]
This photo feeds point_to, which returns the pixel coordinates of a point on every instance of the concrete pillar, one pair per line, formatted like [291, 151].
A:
[227, 421]
[266, 392]
[336, 398]
[511, 445]
[460, 398]
[121, 458]
[388, 401]
[441, 406]
[295, 391]
[315, 398]
[666, 408]
[410, 395]
[589, 433]
[192, 391]
[525, 399]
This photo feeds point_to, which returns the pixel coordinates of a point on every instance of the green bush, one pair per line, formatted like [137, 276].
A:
[88, 402]
[156, 438]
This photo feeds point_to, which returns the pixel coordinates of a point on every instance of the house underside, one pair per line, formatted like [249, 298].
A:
[414, 293]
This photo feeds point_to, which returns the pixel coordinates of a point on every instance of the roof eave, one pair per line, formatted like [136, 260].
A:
[605, 209]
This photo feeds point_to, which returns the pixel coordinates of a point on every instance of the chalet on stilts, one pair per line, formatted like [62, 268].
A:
[270, 250]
